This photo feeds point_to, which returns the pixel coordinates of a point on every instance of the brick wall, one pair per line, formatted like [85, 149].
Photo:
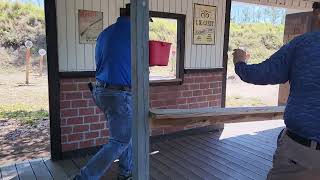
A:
[83, 125]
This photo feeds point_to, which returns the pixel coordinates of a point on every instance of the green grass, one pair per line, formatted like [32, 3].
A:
[239, 101]
[28, 115]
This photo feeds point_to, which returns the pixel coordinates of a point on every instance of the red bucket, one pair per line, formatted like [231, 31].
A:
[159, 53]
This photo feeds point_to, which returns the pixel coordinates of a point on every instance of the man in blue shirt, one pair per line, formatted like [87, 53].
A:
[112, 94]
[298, 152]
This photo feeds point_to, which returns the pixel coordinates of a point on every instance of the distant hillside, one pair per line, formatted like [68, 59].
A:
[19, 22]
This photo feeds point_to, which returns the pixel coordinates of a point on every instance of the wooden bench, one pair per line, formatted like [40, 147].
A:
[176, 117]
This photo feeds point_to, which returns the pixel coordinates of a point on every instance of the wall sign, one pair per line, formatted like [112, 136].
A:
[204, 24]
[90, 26]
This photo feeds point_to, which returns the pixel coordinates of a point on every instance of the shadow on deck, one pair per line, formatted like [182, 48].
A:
[241, 151]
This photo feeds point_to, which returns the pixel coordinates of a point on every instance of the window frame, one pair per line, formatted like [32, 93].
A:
[180, 56]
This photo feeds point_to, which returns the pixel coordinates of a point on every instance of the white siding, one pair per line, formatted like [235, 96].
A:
[291, 4]
[78, 57]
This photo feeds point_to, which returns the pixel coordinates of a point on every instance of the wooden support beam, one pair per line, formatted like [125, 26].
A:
[163, 117]
[140, 87]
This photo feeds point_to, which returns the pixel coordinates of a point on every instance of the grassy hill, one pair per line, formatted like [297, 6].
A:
[19, 22]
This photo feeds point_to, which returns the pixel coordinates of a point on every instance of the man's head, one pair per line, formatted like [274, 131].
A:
[126, 12]
[316, 14]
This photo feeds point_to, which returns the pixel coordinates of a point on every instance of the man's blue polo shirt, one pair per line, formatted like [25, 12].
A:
[113, 54]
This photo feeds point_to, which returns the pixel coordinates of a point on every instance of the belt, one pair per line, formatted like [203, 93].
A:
[113, 87]
[301, 140]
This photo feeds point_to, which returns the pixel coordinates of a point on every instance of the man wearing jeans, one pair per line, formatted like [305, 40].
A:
[113, 96]
[298, 153]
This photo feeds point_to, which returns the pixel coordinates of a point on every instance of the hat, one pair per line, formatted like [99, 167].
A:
[126, 11]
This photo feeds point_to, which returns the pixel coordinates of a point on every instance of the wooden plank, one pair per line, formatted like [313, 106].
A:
[9, 173]
[71, 35]
[178, 6]
[69, 167]
[25, 171]
[81, 66]
[160, 5]
[252, 157]
[154, 5]
[212, 168]
[164, 169]
[40, 169]
[191, 164]
[112, 11]
[55, 169]
[211, 51]
[166, 5]
[221, 9]
[172, 6]
[88, 48]
[96, 6]
[62, 35]
[105, 10]
[177, 166]
[155, 173]
[231, 155]
[189, 29]
[140, 87]
[233, 169]
[80, 162]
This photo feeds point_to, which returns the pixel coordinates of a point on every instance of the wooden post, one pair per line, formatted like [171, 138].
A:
[27, 65]
[41, 66]
[140, 87]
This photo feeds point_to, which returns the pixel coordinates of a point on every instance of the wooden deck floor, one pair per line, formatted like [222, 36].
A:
[241, 151]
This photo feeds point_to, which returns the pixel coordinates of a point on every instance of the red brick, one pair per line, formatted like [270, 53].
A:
[171, 101]
[104, 133]
[158, 89]
[173, 107]
[200, 79]
[184, 106]
[83, 86]
[62, 97]
[98, 111]
[86, 144]
[184, 87]
[73, 96]
[187, 94]
[75, 137]
[86, 111]
[91, 119]
[217, 91]
[213, 104]
[207, 92]
[79, 103]
[211, 98]
[80, 128]
[87, 95]
[66, 130]
[193, 106]
[74, 121]
[189, 80]
[192, 100]
[157, 103]
[66, 81]
[91, 103]
[81, 80]
[68, 87]
[91, 135]
[204, 86]
[181, 100]
[102, 118]
[65, 104]
[204, 104]
[97, 126]
[197, 93]
[194, 86]
[101, 141]
[201, 99]
[69, 112]
[64, 139]
[70, 147]
[63, 122]
[153, 96]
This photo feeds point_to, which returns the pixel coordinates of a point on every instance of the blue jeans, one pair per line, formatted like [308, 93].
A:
[117, 108]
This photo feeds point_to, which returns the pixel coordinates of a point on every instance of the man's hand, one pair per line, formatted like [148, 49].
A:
[240, 55]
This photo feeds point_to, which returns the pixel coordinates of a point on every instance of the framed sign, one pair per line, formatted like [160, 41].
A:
[90, 26]
[204, 24]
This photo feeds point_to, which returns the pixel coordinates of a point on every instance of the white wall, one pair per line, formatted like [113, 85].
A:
[79, 57]
[291, 4]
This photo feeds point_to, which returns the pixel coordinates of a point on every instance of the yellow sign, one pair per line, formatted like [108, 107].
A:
[204, 24]
[90, 26]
